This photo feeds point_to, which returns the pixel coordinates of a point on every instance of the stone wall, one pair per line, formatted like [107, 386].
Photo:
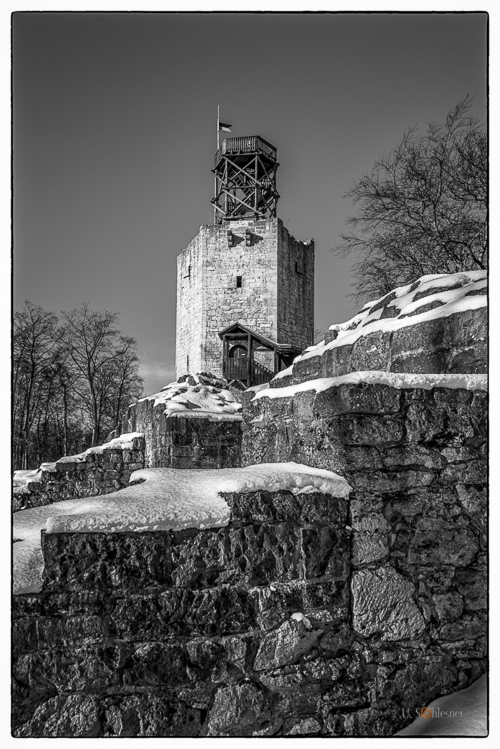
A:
[417, 462]
[98, 471]
[186, 440]
[295, 289]
[454, 344]
[303, 616]
[275, 297]
[190, 633]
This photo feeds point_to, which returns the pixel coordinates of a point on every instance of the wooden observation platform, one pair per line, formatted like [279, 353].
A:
[245, 179]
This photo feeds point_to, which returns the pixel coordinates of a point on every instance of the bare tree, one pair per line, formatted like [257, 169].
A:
[72, 382]
[97, 351]
[422, 209]
[34, 346]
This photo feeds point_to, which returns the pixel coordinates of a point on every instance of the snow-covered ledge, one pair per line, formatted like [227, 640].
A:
[401, 380]
[160, 499]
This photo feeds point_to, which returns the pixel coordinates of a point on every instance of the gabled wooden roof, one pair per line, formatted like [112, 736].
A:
[283, 348]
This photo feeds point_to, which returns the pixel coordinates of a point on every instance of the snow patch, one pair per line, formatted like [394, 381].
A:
[379, 377]
[196, 393]
[207, 415]
[299, 617]
[289, 370]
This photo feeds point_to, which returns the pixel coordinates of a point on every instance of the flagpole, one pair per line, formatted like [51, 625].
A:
[215, 178]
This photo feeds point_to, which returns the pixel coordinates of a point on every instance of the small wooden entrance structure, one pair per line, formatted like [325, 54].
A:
[240, 366]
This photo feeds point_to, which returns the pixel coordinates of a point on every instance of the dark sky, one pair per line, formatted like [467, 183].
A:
[115, 131]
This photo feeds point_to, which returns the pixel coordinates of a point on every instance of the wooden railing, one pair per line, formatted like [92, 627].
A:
[238, 369]
[248, 144]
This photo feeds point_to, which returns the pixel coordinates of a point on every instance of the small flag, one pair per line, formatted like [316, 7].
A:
[225, 126]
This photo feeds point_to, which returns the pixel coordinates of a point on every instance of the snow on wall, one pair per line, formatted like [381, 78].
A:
[196, 393]
[376, 377]
[22, 479]
[429, 298]
[166, 499]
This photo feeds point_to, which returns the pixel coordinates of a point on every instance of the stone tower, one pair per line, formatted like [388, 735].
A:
[245, 286]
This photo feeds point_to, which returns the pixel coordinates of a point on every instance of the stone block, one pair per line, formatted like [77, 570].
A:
[390, 481]
[364, 429]
[357, 398]
[276, 507]
[383, 603]
[239, 710]
[65, 716]
[298, 700]
[24, 637]
[156, 664]
[106, 560]
[285, 645]
[199, 559]
[448, 606]
[436, 542]
[472, 472]
[76, 669]
[472, 585]
[155, 714]
[65, 631]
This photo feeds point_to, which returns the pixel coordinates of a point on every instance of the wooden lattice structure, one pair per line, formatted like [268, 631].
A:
[245, 179]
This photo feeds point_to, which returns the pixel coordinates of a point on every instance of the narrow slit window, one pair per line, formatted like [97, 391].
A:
[188, 273]
[238, 281]
[187, 362]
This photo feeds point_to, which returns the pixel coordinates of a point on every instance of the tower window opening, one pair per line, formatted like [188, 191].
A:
[187, 362]
[297, 268]
[238, 281]
[188, 273]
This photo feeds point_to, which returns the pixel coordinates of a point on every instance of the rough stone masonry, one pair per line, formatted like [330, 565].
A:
[309, 615]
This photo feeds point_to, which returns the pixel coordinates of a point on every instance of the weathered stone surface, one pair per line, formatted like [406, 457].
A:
[438, 542]
[239, 710]
[72, 716]
[337, 641]
[341, 399]
[472, 585]
[106, 560]
[372, 722]
[156, 664]
[291, 640]
[305, 727]
[369, 547]
[383, 602]
[279, 507]
[298, 700]
[143, 715]
[448, 606]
